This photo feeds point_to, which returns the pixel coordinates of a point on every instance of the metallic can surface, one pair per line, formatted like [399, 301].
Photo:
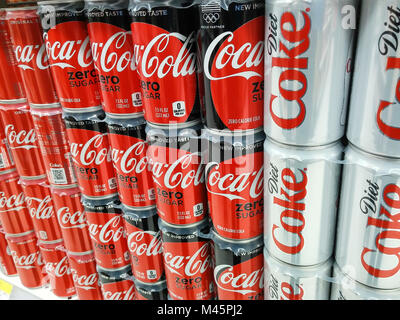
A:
[85, 276]
[117, 284]
[178, 173]
[374, 113]
[288, 282]
[239, 269]
[165, 53]
[91, 154]
[54, 145]
[41, 208]
[72, 219]
[22, 139]
[232, 43]
[144, 243]
[7, 265]
[30, 53]
[367, 245]
[344, 288]
[188, 261]
[68, 49]
[301, 198]
[131, 163]
[235, 182]
[300, 62]
[112, 49]
[155, 291]
[106, 229]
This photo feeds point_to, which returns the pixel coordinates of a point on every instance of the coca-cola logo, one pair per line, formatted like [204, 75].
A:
[289, 292]
[94, 151]
[43, 210]
[84, 281]
[22, 139]
[30, 261]
[128, 294]
[71, 220]
[111, 231]
[27, 54]
[12, 203]
[138, 243]
[133, 159]
[58, 269]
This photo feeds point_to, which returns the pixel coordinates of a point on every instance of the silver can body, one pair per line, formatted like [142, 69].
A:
[368, 233]
[287, 282]
[309, 50]
[374, 108]
[345, 288]
[301, 194]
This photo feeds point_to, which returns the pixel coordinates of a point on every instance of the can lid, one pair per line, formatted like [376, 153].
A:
[99, 201]
[128, 116]
[119, 274]
[139, 213]
[8, 174]
[65, 191]
[34, 179]
[237, 246]
[52, 244]
[50, 107]
[174, 126]
[230, 133]
[80, 254]
[195, 228]
[37, 182]
[80, 111]
[20, 106]
[21, 236]
[151, 287]
[16, 101]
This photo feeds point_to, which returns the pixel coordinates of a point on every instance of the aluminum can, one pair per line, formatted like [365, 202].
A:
[165, 51]
[239, 268]
[57, 268]
[301, 195]
[91, 154]
[54, 145]
[7, 265]
[153, 291]
[131, 163]
[30, 53]
[178, 173]
[7, 163]
[232, 51]
[374, 117]
[41, 208]
[289, 282]
[234, 181]
[106, 229]
[367, 241]
[300, 62]
[144, 243]
[68, 48]
[22, 139]
[112, 48]
[117, 284]
[188, 261]
[14, 214]
[85, 276]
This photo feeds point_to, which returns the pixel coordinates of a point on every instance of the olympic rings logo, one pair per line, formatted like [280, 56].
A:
[211, 17]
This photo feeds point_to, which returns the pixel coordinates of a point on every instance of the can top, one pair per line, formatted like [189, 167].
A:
[237, 246]
[65, 191]
[195, 228]
[102, 205]
[33, 179]
[174, 126]
[9, 175]
[50, 106]
[29, 235]
[229, 133]
[81, 256]
[150, 287]
[37, 182]
[140, 213]
[125, 122]
[111, 275]
[15, 101]
[51, 245]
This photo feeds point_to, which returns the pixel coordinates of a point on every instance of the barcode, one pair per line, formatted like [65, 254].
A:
[211, 6]
[58, 176]
[2, 164]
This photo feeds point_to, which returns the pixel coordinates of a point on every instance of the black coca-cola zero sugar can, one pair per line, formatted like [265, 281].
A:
[154, 291]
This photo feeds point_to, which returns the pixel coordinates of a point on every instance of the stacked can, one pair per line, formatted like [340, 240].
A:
[367, 247]
[231, 44]
[303, 149]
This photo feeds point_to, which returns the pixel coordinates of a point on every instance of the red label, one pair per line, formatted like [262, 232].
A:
[112, 51]
[166, 65]
[6, 261]
[121, 290]
[6, 159]
[237, 75]
[71, 61]
[235, 195]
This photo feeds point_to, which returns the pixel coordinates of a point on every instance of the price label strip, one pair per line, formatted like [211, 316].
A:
[5, 290]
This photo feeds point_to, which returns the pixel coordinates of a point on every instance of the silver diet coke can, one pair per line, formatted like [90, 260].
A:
[368, 236]
[301, 194]
[374, 108]
[308, 67]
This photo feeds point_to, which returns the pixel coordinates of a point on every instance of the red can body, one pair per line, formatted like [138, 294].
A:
[30, 53]
[85, 276]
[22, 139]
[68, 48]
[116, 285]
[52, 136]
[14, 214]
[7, 265]
[72, 219]
[41, 209]
[28, 260]
[7, 163]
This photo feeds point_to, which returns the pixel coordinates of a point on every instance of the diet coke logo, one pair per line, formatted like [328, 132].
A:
[22, 139]
[85, 282]
[30, 261]
[138, 246]
[12, 203]
[71, 220]
[58, 269]
[44, 209]
[94, 151]
[133, 159]
[25, 55]
[111, 231]
[120, 295]
[193, 265]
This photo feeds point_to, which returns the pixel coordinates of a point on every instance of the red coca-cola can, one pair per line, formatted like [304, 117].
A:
[131, 163]
[144, 243]
[68, 49]
[28, 260]
[14, 214]
[117, 284]
[166, 60]
[239, 268]
[112, 49]
[54, 145]
[7, 163]
[22, 139]
[85, 276]
[57, 268]
[178, 173]
[72, 219]
[7, 265]
[30, 53]
[106, 228]
[188, 261]
[153, 291]
[11, 88]
[41, 208]
[91, 154]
